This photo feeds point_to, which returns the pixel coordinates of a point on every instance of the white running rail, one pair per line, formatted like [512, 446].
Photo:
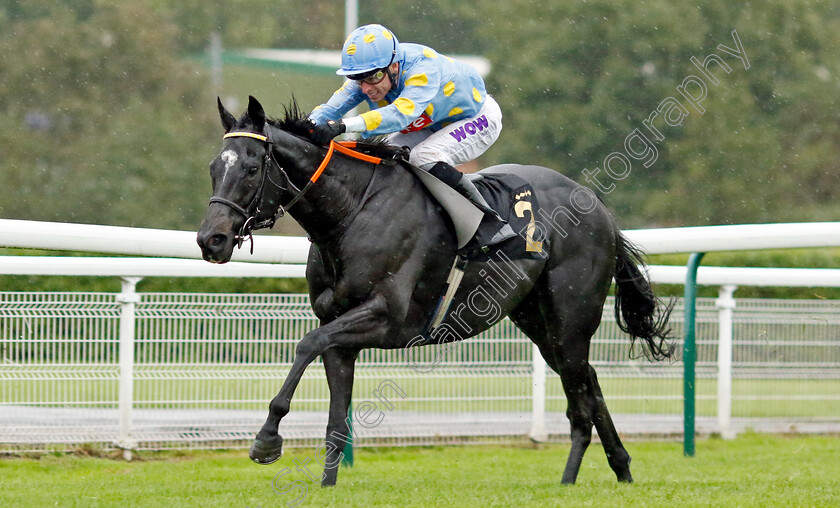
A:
[286, 256]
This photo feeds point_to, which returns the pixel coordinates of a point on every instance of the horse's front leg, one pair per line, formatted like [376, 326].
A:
[357, 328]
[339, 365]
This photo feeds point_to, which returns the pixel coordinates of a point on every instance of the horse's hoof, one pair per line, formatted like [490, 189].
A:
[266, 451]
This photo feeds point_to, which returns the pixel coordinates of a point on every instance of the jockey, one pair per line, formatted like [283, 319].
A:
[434, 105]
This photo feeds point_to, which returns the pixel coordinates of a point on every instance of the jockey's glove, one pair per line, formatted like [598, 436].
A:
[323, 133]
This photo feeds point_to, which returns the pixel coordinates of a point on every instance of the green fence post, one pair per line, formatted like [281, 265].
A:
[690, 353]
[348, 448]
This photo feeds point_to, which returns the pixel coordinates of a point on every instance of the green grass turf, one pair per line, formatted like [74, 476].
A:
[753, 470]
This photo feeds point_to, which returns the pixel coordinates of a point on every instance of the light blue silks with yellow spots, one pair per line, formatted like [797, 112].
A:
[433, 91]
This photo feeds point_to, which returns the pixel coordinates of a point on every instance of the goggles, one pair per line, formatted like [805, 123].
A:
[372, 78]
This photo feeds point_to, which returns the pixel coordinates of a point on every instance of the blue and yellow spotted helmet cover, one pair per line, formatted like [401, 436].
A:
[368, 48]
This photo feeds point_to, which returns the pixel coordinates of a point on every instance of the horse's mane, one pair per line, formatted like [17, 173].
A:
[294, 120]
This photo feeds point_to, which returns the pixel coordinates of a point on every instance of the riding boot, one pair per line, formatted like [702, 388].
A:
[465, 187]
[497, 229]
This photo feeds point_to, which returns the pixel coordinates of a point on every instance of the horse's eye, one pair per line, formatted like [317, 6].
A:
[253, 170]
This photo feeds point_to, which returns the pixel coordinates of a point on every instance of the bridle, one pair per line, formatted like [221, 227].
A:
[252, 211]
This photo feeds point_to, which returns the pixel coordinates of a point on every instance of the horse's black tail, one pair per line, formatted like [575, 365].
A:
[637, 311]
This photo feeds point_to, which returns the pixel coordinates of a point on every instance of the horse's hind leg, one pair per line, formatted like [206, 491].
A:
[573, 372]
[569, 321]
[546, 329]
[586, 402]
[617, 455]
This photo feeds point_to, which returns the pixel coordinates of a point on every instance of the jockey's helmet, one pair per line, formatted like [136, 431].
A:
[368, 49]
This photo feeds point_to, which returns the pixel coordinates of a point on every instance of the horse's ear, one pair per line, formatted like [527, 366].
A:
[228, 120]
[256, 113]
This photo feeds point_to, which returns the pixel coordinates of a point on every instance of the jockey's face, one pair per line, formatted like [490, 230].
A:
[377, 91]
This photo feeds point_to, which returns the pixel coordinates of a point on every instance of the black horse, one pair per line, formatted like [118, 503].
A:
[381, 251]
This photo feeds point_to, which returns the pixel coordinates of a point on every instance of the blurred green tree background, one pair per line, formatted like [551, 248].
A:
[109, 116]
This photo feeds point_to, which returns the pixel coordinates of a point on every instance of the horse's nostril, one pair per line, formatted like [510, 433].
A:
[217, 240]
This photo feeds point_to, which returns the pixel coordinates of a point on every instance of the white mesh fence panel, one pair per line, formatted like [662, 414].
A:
[206, 366]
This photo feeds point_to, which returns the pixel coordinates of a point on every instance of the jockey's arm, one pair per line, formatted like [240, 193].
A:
[421, 86]
[343, 100]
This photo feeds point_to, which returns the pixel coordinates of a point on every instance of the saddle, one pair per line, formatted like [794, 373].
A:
[509, 195]
[478, 238]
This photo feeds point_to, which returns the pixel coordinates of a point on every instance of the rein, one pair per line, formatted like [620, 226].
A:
[345, 147]
[253, 209]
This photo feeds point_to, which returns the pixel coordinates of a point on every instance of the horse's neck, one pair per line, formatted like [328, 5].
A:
[333, 196]
[334, 199]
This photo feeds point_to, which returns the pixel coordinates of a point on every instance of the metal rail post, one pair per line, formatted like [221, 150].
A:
[538, 432]
[347, 460]
[127, 299]
[690, 353]
[725, 304]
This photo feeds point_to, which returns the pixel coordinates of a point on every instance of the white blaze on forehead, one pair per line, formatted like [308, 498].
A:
[229, 157]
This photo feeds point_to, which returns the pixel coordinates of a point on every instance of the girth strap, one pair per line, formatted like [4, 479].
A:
[453, 281]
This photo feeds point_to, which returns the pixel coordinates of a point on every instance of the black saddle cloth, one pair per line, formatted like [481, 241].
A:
[515, 201]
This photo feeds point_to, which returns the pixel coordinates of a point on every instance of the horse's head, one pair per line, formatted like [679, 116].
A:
[267, 166]
[248, 184]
